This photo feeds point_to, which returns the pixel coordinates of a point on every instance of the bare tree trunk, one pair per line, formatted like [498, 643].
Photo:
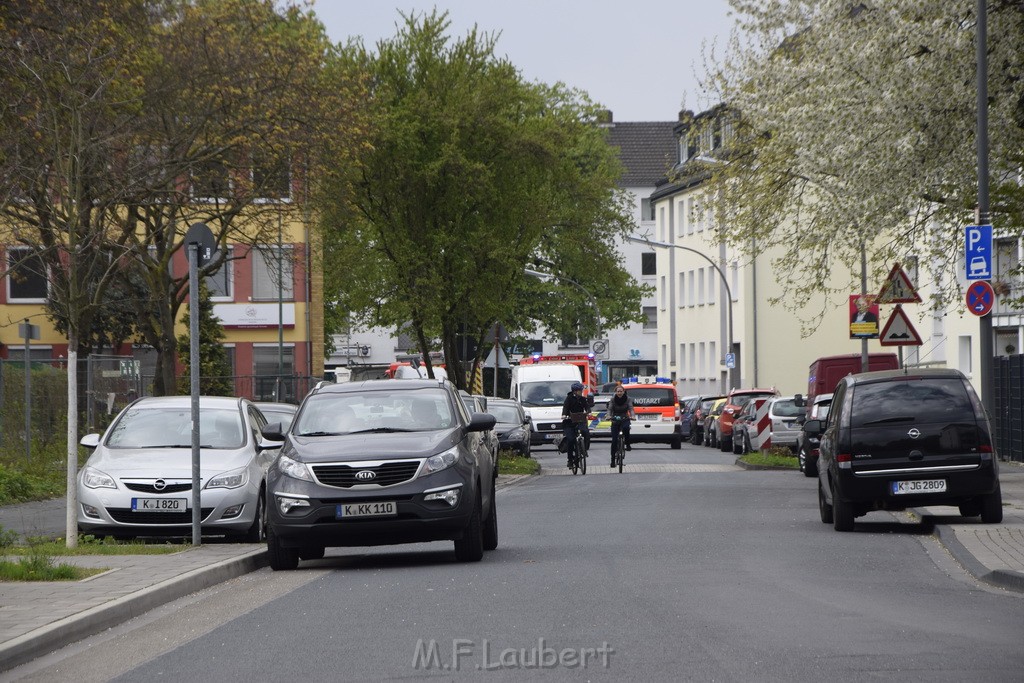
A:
[71, 519]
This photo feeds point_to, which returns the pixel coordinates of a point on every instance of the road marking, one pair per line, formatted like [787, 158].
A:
[604, 469]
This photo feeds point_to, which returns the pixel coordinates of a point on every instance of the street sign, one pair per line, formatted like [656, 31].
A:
[28, 331]
[899, 331]
[200, 235]
[898, 289]
[980, 298]
[730, 361]
[978, 252]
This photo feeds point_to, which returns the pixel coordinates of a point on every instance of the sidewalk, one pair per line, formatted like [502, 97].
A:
[37, 618]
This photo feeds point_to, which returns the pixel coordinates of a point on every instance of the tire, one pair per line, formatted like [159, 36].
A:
[810, 468]
[992, 507]
[583, 460]
[470, 548]
[677, 443]
[842, 513]
[575, 464]
[281, 558]
[257, 533]
[824, 509]
[491, 523]
[725, 444]
[313, 552]
[695, 438]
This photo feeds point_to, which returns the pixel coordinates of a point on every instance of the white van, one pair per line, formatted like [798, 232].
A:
[541, 389]
[409, 372]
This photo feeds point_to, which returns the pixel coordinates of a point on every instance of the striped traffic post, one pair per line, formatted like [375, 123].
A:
[762, 440]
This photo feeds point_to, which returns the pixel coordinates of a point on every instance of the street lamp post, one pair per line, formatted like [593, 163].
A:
[728, 292]
[593, 301]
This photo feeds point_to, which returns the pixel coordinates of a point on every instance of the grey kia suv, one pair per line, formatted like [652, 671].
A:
[378, 463]
[896, 439]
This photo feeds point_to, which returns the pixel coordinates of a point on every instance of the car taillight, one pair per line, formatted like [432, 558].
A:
[845, 461]
[985, 448]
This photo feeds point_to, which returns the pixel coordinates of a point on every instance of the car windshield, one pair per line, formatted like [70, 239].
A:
[420, 410]
[914, 399]
[506, 414]
[546, 393]
[787, 408]
[165, 427]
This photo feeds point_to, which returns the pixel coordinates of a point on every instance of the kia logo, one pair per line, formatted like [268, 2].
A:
[914, 433]
[366, 475]
[159, 485]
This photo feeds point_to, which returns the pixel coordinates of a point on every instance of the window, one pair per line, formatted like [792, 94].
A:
[661, 224]
[702, 357]
[269, 272]
[682, 360]
[682, 289]
[700, 286]
[712, 357]
[693, 356]
[692, 288]
[36, 353]
[220, 282]
[646, 209]
[664, 294]
[27, 279]
[684, 148]
[651, 315]
[271, 176]
[965, 354]
[649, 263]
[712, 281]
[210, 179]
[689, 216]
[266, 360]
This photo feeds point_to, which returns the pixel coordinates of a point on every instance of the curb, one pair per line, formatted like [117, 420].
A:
[997, 577]
[748, 466]
[76, 627]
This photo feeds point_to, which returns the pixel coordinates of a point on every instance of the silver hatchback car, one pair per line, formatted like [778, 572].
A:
[138, 480]
[786, 422]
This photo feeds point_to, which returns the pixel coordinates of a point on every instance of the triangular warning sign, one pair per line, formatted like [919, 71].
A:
[898, 288]
[898, 331]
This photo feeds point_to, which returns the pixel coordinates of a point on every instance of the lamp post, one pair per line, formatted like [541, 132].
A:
[593, 301]
[728, 292]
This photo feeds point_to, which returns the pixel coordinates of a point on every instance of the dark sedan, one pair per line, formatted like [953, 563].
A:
[513, 425]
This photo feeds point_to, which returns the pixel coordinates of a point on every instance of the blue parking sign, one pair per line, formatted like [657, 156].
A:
[978, 252]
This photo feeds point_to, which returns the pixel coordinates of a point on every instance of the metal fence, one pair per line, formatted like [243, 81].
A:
[1008, 416]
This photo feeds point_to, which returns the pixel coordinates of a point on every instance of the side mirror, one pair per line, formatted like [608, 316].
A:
[481, 422]
[90, 440]
[273, 432]
[812, 427]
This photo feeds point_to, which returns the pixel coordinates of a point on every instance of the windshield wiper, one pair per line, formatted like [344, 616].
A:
[382, 430]
[898, 418]
[322, 433]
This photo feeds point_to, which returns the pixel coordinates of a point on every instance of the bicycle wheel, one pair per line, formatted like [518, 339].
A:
[620, 451]
[574, 459]
[582, 449]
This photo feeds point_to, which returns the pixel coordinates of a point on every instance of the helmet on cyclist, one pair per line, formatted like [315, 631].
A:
[576, 386]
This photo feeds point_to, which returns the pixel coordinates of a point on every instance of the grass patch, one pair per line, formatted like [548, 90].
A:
[776, 457]
[39, 567]
[23, 480]
[90, 545]
[509, 463]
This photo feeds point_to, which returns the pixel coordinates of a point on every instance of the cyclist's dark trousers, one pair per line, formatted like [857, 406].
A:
[618, 425]
[569, 433]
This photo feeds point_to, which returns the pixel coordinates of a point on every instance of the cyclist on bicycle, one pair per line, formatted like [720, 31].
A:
[620, 410]
[575, 404]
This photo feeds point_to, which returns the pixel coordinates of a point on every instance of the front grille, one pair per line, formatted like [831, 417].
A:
[127, 516]
[387, 474]
[149, 488]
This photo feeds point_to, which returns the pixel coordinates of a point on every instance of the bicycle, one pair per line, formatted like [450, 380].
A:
[619, 446]
[578, 446]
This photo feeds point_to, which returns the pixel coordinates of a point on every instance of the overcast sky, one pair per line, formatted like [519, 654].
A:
[635, 57]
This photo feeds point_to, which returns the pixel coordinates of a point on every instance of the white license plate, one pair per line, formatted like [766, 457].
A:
[549, 437]
[648, 416]
[919, 486]
[159, 504]
[382, 509]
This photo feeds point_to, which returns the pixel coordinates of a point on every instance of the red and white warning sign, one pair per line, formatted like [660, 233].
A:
[898, 289]
[899, 331]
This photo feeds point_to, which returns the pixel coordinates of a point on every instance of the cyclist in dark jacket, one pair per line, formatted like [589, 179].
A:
[575, 403]
[620, 410]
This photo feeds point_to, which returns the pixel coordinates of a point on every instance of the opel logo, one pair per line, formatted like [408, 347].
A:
[366, 475]
[159, 485]
[914, 433]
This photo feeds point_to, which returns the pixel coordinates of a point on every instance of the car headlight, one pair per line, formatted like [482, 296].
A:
[293, 468]
[441, 461]
[516, 434]
[94, 479]
[229, 480]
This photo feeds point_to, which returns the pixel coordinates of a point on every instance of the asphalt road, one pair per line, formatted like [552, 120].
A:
[669, 575]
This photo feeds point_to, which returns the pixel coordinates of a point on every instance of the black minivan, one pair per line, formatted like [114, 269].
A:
[906, 438]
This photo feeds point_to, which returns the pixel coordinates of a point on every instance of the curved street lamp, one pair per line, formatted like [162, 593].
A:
[728, 292]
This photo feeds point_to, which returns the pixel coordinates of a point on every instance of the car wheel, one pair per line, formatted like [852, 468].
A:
[257, 533]
[736, 450]
[677, 443]
[842, 513]
[313, 552]
[992, 507]
[824, 509]
[470, 548]
[280, 557]
[725, 443]
[491, 523]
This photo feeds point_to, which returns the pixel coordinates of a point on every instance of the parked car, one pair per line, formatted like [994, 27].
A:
[711, 438]
[380, 463]
[600, 421]
[278, 412]
[476, 403]
[899, 439]
[698, 417]
[807, 445]
[737, 399]
[687, 406]
[786, 419]
[744, 427]
[513, 425]
[138, 479]
[657, 413]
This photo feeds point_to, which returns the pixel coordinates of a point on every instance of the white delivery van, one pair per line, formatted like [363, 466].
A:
[409, 372]
[541, 389]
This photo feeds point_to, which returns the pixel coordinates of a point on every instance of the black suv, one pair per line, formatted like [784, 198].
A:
[897, 439]
[381, 462]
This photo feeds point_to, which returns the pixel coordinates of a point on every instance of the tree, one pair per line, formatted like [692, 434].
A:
[856, 127]
[469, 173]
[216, 377]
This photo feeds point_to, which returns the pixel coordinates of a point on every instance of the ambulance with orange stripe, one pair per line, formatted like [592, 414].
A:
[656, 404]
